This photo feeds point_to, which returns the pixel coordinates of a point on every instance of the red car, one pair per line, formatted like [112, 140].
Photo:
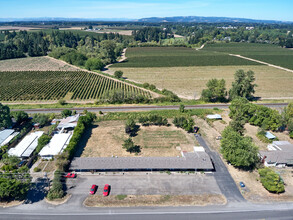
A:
[106, 190]
[93, 189]
[70, 175]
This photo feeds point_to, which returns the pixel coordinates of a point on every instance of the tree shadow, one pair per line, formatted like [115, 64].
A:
[37, 191]
[84, 139]
[134, 131]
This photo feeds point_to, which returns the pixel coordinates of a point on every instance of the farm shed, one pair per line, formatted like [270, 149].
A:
[269, 135]
[26, 147]
[215, 116]
[195, 161]
[279, 154]
[6, 136]
[57, 144]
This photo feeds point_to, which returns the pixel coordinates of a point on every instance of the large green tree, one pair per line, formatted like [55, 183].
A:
[244, 85]
[5, 120]
[238, 150]
[271, 180]
[19, 116]
[216, 90]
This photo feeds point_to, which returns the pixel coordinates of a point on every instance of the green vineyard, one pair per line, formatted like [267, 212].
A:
[55, 85]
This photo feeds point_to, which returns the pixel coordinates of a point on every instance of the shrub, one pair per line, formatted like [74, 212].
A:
[56, 191]
[66, 112]
[130, 147]
[37, 169]
[42, 141]
[271, 180]
[118, 74]
[183, 122]
[94, 64]
[42, 119]
[61, 102]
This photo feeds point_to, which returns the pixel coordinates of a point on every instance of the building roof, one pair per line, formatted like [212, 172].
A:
[27, 145]
[69, 122]
[269, 135]
[280, 152]
[194, 160]
[57, 144]
[5, 134]
[215, 116]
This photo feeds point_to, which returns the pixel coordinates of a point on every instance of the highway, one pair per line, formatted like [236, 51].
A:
[140, 108]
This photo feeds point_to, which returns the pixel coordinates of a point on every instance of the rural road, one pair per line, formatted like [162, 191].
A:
[140, 108]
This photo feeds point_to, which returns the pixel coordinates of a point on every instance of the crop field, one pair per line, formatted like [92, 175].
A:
[54, 85]
[177, 56]
[264, 52]
[188, 82]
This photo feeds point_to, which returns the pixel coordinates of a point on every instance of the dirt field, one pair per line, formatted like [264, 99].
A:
[17, 28]
[107, 139]
[190, 81]
[154, 200]
[254, 191]
[34, 63]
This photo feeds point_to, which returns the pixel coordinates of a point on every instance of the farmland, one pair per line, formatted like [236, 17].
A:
[54, 85]
[190, 81]
[177, 56]
[263, 52]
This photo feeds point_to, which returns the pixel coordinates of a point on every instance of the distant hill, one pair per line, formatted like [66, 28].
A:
[207, 20]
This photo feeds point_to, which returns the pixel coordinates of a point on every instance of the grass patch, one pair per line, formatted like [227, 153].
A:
[121, 197]
[177, 56]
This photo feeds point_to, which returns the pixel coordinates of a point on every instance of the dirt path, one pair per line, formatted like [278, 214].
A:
[258, 61]
[123, 58]
[202, 46]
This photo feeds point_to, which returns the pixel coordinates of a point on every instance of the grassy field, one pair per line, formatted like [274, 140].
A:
[188, 82]
[34, 64]
[107, 138]
[264, 52]
[54, 85]
[177, 57]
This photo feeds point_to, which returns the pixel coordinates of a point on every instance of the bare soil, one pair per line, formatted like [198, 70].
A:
[154, 200]
[59, 201]
[35, 64]
[106, 140]
[10, 204]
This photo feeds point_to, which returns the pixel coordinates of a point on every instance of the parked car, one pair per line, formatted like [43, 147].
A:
[219, 138]
[106, 190]
[93, 189]
[242, 184]
[70, 175]
[21, 163]
[195, 129]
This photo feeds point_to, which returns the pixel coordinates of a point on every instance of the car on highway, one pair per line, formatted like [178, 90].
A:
[70, 175]
[106, 190]
[242, 184]
[93, 189]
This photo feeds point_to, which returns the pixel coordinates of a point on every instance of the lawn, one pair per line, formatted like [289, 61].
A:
[188, 82]
[106, 139]
[177, 57]
[265, 52]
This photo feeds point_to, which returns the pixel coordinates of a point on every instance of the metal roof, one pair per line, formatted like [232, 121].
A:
[27, 145]
[57, 144]
[195, 160]
[269, 135]
[215, 116]
[5, 134]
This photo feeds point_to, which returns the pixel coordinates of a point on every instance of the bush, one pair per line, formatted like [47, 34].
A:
[56, 191]
[153, 120]
[271, 180]
[182, 122]
[66, 112]
[145, 85]
[118, 74]
[42, 142]
[42, 119]
[62, 102]
[152, 87]
[94, 64]
[130, 147]
[37, 169]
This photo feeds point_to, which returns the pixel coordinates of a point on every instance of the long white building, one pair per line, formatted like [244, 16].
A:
[56, 146]
[26, 147]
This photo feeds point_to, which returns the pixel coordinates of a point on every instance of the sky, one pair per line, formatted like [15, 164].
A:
[134, 9]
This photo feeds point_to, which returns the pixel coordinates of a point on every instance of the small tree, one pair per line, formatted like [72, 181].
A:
[5, 120]
[42, 119]
[181, 108]
[130, 147]
[66, 112]
[271, 180]
[118, 74]
[62, 102]
[94, 64]
[216, 90]
[19, 116]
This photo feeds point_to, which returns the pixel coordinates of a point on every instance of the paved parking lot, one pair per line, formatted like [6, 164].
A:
[146, 184]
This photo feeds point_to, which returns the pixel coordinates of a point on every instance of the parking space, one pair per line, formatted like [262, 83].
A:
[146, 184]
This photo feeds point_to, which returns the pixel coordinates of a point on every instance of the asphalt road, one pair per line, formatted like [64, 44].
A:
[222, 175]
[139, 108]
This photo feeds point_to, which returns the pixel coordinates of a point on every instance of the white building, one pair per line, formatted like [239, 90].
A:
[26, 147]
[56, 146]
